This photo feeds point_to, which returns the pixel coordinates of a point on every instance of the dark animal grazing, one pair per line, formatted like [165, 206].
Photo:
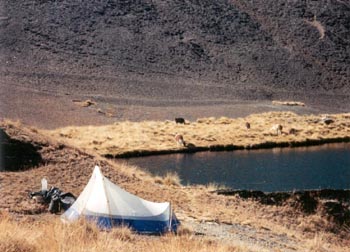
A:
[292, 131]
[180, 120]
[247, 125]
[327, 120]
[179, 139]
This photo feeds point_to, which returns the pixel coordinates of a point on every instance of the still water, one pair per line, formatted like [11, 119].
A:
[269, 170]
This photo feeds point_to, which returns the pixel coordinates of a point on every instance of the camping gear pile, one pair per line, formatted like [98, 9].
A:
[55, 198]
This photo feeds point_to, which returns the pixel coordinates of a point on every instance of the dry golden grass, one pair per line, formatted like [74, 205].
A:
[139, 138]
[289, 103]
[317, 244]
[171, 179]
[86, 103]
[215, 186]
[51, 235]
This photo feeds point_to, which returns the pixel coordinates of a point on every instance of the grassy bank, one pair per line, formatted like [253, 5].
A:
[224, 223]
[125, 139]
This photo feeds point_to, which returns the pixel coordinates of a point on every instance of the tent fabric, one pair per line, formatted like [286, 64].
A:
[109, 205]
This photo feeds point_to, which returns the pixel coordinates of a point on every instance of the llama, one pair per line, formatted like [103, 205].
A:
[278, 128]
[179, 139]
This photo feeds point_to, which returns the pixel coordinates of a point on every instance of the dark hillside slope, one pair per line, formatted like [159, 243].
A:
[166, 51]
[317, 32]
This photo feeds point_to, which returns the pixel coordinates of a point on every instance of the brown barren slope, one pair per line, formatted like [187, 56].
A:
[148, 60]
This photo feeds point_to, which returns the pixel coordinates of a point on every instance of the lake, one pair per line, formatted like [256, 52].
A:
[269, 170]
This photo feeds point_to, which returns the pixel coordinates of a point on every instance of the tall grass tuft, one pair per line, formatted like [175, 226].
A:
[317, 244]
[215, 186]
[122, 234]
[12, 237]
[172, 179]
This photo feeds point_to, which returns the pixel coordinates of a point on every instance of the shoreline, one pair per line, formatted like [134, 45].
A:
[266, 145]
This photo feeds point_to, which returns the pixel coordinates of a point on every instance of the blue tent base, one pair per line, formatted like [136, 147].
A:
[139, 226]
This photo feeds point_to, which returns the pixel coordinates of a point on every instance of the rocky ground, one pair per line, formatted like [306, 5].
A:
[159, 59]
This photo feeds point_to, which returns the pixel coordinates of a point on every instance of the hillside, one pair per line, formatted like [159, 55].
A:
[173, 53]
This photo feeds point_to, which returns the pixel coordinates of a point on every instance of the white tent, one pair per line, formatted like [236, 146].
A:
[109, 205]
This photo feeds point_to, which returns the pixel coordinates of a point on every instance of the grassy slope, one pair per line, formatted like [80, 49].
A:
[138, 138]
[70, 168]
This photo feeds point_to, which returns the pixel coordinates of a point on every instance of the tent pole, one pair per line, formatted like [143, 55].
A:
[170, 217]
[108, 204]
[85, 203]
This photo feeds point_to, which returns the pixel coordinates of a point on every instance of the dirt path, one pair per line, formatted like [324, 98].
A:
[244, 235]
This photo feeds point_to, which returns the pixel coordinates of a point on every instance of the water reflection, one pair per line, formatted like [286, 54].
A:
[279, 169]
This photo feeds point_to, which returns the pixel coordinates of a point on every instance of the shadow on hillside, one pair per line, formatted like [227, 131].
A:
[334, 204]
[17, 155]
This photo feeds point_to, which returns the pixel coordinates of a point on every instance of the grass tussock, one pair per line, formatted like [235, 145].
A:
[317, 244]
[184, 230]
[13, 238]
[12, 124]
[190, 244]
[123, 234]
[10, 244]
[152, 137]
[170, 179]
[215, 186]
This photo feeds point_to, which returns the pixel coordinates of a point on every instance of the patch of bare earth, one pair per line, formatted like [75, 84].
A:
[320, 28]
